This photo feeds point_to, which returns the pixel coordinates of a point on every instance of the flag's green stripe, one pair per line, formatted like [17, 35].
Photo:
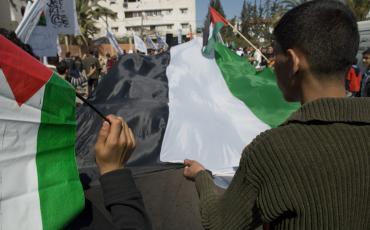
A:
[258, 90]
[60, 190]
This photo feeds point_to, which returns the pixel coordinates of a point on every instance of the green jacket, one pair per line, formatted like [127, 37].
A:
[312, 172]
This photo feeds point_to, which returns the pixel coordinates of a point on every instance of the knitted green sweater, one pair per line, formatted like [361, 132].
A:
[312, 172]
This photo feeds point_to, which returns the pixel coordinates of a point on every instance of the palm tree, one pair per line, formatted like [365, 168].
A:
[289, 4]
[359, 7]
[88, 13]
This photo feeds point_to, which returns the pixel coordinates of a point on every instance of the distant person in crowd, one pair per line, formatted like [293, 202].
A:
[264, 62]
[111, 60]
[103, 64]
[68, 60]
[270, 56]
[240, 52]
[10, 35]
[256, 59]
[365, 84]
[91, 63]
[311, 172]
[62, 69]
[122, 199]
[353, 81]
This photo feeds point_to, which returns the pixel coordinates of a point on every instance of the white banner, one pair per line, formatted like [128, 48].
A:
[161, 42]
[150, 44]
[179, 36]
[61, 15]
[28, 23]
[44, 42]
[140, 44]
[114, 43]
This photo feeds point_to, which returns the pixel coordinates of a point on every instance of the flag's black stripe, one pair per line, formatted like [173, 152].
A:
[136, 89]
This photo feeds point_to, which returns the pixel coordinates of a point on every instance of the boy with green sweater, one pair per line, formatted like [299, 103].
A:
[312, 172]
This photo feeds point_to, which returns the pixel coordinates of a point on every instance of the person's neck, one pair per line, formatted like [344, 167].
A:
[313, 89]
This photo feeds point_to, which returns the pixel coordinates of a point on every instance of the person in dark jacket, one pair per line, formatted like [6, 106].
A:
[121, 198]
[89, 63]
[311, 172]
[365, 84]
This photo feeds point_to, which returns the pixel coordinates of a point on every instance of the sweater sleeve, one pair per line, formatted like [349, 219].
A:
[234, 209]
[124, 201]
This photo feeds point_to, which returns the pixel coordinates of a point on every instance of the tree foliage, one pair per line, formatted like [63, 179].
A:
[88, 13]
[258, 18]
[360, 8]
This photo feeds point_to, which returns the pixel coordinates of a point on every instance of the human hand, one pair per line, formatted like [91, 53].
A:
[192, 168]
[114, 145]
[92, 70]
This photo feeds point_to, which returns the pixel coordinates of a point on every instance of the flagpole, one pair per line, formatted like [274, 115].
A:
[250, 43]
[92, 107]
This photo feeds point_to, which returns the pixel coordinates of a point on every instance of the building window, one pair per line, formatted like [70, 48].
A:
[112, 2]
[184, 25]
[132, 0]
[133, 14]
[153, 13]
[114, 29]
[133, 28]
[184, 10]
[167, 12]
[169, 27]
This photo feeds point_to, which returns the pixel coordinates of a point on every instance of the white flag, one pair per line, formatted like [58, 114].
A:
[150, 44]
[161, 43]
[28, 23]
[61, 15]
[114, 43]
[27, 9]
[140, 44]
[179, 36]
[44, 42]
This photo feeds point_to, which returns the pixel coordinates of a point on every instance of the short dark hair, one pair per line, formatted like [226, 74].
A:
[68, 54]
[62, 67]
[366, 52]
[325, 32]
[10, 35]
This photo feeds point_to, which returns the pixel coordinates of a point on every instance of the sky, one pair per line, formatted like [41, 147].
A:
[231, 7]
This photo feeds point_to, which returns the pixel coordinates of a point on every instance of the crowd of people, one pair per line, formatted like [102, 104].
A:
[357, 81]
[257, 57]
[85, 72]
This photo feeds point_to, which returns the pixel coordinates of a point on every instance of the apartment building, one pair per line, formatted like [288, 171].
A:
[11, 13]
[147, 17]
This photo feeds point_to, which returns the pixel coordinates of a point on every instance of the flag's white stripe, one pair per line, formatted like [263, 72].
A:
[206, 122]
[19, 197]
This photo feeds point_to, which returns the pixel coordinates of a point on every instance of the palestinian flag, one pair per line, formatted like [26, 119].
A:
[180, 105]
[213, 32]
[39, 183]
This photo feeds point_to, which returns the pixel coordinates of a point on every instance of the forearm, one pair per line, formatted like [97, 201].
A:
[124, 201]
[234, 209]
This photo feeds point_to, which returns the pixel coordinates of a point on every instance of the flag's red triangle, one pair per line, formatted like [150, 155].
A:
[217, 17]
[25, 74]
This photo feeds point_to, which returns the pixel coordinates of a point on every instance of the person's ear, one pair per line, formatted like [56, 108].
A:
[294, 59]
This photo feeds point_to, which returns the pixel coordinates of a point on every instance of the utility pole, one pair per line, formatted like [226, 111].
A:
[142, 24]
